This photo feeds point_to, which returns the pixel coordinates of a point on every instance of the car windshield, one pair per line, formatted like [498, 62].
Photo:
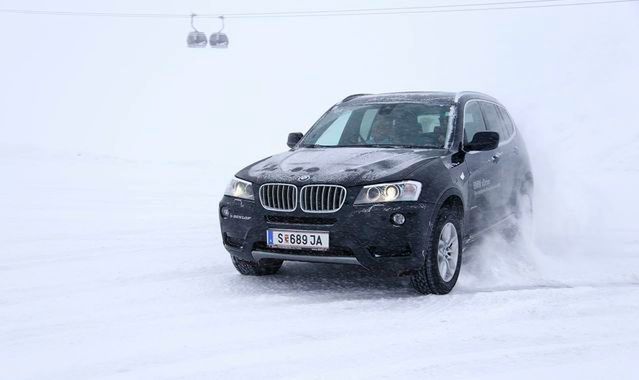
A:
[410, 125]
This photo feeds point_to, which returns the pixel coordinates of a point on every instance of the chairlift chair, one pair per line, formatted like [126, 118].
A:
[196, 39]
[219, 40]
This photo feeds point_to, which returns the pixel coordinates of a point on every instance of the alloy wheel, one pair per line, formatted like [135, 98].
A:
[447, 251]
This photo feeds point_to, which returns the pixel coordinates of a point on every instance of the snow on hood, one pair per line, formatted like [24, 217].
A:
[346, 166]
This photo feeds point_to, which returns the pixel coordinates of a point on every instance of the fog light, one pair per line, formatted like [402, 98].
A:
[398, 219]
[225, 212]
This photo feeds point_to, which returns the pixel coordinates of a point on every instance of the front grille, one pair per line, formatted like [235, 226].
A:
[397, 251]
[286, 219]
[278, 196]
[322, 198]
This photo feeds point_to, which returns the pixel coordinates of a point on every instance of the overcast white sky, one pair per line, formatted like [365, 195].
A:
[131, 88]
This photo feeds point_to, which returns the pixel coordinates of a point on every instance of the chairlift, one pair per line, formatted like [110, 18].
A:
[219, 40]
[196, 39]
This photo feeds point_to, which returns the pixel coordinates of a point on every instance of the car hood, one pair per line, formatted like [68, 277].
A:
[344, 166]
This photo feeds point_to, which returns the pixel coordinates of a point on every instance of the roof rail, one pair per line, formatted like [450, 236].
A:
[462, 93]
[351, 97]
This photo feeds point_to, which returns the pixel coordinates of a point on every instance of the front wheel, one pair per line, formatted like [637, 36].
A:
[252, 268]
[443, 255]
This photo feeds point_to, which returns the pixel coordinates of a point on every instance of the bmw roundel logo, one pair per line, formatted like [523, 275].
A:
[305, 177]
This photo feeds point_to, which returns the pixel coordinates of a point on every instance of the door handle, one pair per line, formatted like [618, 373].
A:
[496, 157]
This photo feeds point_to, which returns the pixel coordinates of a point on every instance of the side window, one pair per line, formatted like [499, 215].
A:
[493, 120]
[510, 127]
[334, 132]
[473, 121]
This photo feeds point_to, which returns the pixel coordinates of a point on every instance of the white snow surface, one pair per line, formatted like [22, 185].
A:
[114, 269]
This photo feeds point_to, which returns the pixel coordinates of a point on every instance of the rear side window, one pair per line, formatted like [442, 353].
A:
[473, 121]
[493, 120]
[510, 127]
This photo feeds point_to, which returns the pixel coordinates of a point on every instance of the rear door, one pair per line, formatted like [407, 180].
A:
[502, 157]
[512, 161]
[484, 186]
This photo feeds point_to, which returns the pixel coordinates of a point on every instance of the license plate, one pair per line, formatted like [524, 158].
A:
[297, 239]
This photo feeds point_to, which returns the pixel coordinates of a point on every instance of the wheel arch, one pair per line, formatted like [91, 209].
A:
[454, 197]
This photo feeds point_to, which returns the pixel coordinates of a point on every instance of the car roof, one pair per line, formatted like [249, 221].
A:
[429, 97]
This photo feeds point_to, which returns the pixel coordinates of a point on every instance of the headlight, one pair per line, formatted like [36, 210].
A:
[240, 188]
[390, 192]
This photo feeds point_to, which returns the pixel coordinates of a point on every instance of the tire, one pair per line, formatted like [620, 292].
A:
[525, 203]
[522, 209]
[252, 268]
[429, 279]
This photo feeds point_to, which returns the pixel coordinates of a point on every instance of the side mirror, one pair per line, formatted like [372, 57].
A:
[294, 138]
[483, 141]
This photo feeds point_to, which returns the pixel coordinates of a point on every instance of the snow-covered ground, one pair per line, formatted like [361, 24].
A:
[114, 269]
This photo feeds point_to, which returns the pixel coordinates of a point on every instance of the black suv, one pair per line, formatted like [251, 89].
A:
[397, 182]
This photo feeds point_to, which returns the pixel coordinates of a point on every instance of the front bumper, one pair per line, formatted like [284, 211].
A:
[362, 235]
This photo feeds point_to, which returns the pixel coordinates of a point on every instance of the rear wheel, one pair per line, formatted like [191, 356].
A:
[252, 268]
[443, 255]
[522, 210]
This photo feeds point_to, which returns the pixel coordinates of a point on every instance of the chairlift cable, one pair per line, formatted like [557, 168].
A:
[467, 7]
[453, 8]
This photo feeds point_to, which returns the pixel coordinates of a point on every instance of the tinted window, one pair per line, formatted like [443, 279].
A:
[493, 120]
[380, 125]
[507, 121]
[473, 121]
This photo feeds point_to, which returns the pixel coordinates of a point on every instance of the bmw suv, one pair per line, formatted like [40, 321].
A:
[397, 182]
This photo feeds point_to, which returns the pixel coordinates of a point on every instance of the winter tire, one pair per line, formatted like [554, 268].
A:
[252, 268]
[443, 255]
[522, 210]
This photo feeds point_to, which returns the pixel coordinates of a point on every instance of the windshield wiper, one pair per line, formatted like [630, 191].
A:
[389, 146]
[372, 146]
[413, 146]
